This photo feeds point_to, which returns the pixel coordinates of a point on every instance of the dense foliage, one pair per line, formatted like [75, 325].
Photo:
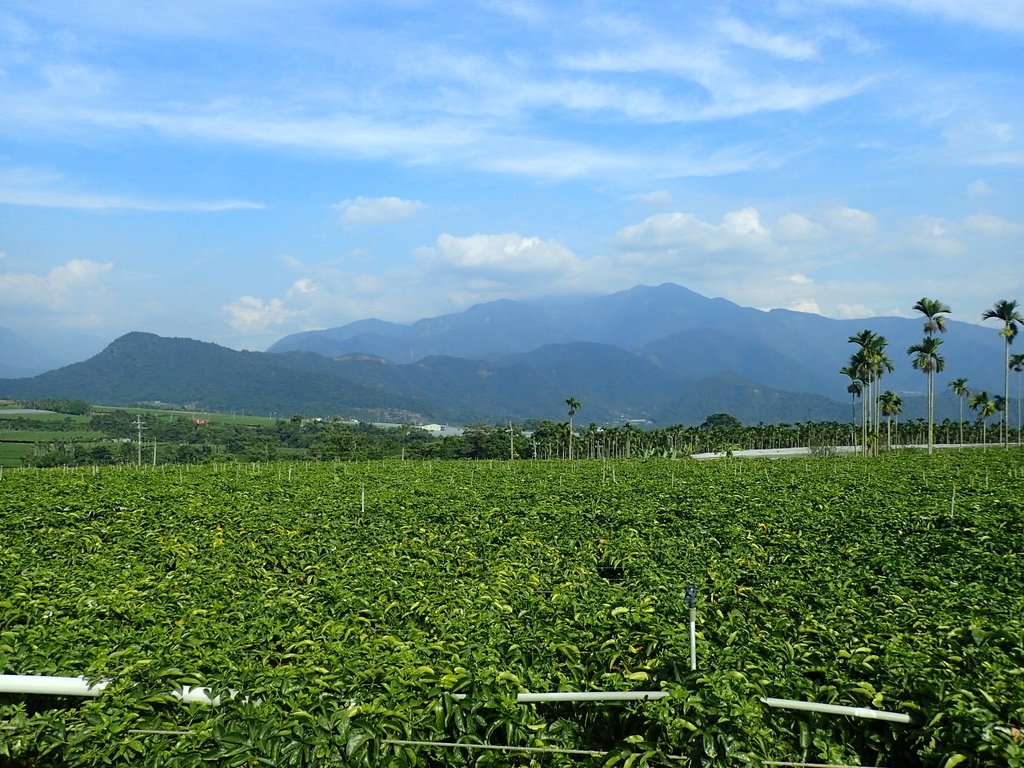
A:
[348, 602]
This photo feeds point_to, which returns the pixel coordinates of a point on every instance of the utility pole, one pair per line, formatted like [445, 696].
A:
[139, 426]
[511, 443]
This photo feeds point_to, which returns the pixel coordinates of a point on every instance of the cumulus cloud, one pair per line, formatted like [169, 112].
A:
[934, 234]
[304, 286]
[799, 279]
[68, 286]
[796, 227]
[254, 315]
[852, 311]
[508, 253]
[249, 314]
[853, 221]
[805, 305]
[377, 210]
[738, 229]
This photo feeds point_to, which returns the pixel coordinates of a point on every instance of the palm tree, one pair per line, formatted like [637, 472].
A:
[574, 405]
[870, 363]
[985, 406]
[1017, 366]
[855, 389]
[959, 387]
[933, 310]
[892, 405]
[927, 359]
[1007, 313]
[860, 362]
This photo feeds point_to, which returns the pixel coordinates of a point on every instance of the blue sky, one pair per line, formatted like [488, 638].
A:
[236, 171]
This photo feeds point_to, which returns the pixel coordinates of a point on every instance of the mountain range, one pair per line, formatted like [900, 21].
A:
[663, 354]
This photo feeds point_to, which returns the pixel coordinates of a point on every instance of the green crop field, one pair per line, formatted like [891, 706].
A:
[16, 444]
[41, 416]
[11, 454]
[348, 605]
[240, 419]
[44, 435]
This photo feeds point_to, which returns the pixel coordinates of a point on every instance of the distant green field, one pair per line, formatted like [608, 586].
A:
[48, 436]
[11, 454]
[44, 416]
[16, 444]
[220, 418]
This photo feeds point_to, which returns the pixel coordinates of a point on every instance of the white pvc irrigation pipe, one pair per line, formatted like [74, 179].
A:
[47, 685]
[535, 698]
[584, 696]
[693, 639]
[44, 685]
[837, 709]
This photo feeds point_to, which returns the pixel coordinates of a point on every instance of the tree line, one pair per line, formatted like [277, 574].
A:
[870, 362]
[179, 440]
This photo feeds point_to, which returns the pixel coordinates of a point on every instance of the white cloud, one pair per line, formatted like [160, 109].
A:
[994, 14]
[979, 188]
[980, 132]
[249, 314]
[853, 311]
[517, 9]
[805, 305]
[657, 199]
[741, 229]
[40, 188]
[782, 46]
[992, 225]
[292, 262]
[853, 221]
[799, 279]
[377, 210]
[94, 202]
[796, 227]
[75, 287]
[303, 286]
[934, 234]
[728, 88]
[986, 143]
[508, 253]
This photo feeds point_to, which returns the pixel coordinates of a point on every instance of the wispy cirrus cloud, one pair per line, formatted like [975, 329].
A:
[40, 188]
[999, 15]
[100, 202]
[777, 44]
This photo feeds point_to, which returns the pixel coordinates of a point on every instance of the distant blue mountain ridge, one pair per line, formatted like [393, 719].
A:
[661, 354]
